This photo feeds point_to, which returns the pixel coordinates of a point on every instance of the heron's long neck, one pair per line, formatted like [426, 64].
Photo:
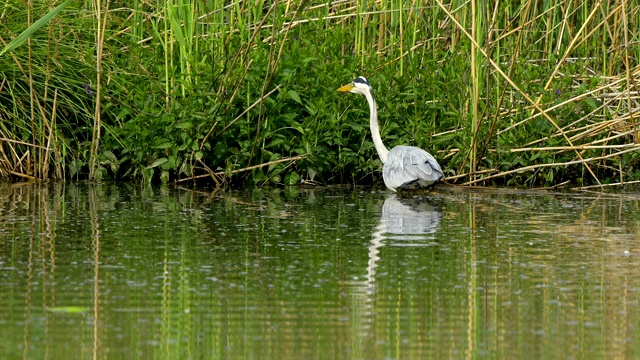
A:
[375, 130]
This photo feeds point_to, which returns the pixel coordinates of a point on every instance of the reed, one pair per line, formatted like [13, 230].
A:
[516, 93]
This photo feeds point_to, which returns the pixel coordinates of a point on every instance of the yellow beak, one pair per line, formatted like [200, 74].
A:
[346, 88]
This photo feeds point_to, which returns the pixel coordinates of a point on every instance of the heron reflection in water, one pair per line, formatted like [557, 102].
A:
[404, 222]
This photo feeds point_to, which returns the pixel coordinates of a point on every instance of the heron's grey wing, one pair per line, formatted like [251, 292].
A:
[410, 167]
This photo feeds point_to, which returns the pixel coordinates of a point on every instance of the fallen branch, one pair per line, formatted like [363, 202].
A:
[533, 167]
[22, 143]
[32, 178]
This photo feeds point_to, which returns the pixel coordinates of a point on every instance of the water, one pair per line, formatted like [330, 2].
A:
[115, 272]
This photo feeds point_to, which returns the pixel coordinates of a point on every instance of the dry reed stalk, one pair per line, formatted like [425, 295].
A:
[265, 83]
[50, 138]
[12, 163]
[210, 172]
[594, 129]
[475, 93]
[95, 140]
[577, 147]
[604, 22]
[449, 153]
[32, 165]
[32, 97]
[479, 172]
[5, 163]
[597, 129]
[610, 138]
[629, 79]
[406, 53]
[607, 185]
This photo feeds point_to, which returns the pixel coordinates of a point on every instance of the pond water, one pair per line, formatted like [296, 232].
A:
[106, 271]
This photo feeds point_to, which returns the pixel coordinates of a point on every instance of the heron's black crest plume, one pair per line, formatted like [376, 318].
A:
[361, 80]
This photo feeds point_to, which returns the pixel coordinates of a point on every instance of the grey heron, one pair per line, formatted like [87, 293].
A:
[405, 167]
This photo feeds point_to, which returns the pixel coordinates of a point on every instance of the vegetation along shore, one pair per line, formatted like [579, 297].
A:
[514, 93]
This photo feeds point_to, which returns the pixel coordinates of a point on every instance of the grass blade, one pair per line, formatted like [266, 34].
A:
[26, 34]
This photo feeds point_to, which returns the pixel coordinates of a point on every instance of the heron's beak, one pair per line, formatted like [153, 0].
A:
[346, 88]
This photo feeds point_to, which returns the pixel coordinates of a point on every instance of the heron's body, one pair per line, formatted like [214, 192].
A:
[405, 167]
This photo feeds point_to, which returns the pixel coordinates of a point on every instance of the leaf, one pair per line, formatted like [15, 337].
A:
[312, 110]
[28, 32]
[162, 144]
[157, 163]
[534, 156]
[356, 127]
[74, 166]
[275, 142]
[308, 60]
[176, 29]
[164, 177]
[295, 96]
[311, 172]
[123, 112]
[68, 309]
[591, 103]
[110, 156]
[184, 125]
[258, 175]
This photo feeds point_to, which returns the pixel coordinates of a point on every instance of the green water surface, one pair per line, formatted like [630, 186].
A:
[129, 272]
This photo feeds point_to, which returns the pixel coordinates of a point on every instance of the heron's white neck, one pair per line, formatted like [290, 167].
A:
[375, 130]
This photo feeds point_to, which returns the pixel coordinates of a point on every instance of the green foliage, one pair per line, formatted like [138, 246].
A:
[194, 88]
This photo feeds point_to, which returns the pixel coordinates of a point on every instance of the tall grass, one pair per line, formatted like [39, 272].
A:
[519, 93]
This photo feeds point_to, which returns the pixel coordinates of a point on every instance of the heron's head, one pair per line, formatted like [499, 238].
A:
[358, 86]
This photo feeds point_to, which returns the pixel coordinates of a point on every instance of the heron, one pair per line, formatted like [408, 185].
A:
[404, 167]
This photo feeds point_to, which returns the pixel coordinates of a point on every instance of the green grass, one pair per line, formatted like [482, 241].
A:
[244, 92]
